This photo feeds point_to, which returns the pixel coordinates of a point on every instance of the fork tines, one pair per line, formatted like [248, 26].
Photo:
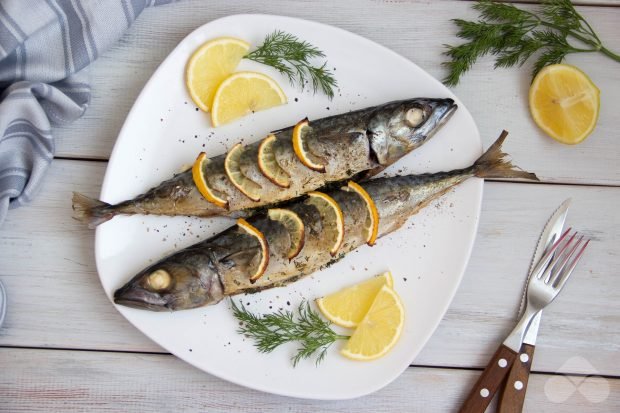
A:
[564, 258]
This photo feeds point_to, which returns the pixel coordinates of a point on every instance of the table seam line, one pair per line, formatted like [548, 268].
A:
[147, 353]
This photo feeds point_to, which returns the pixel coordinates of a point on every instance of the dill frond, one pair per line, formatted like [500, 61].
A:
[292, 57]
[513, 35]
[313, 334]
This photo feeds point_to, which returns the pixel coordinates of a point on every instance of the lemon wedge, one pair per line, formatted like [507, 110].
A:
[249, 229]
[331, 219]
[268, 163]
[348, 306]
[201, 182]
[564, 103]
[242, 93]
[209, 65]
[300, 132]
[379, 330]
[294, 226]
[371, 225]
[232, 167]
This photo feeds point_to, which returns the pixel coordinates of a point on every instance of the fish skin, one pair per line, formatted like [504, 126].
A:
[360, 142]
[222, 264]
[229, 257]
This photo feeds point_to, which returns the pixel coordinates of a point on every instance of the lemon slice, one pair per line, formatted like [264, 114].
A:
[331, 218]
[371, 225]
[213, 62]
[268, 164]
[248, 187]
[348, 307]
[564, 103]
[264, 261]
[380, 328]
[294, 226]
[300, 132]
[201, 182]
[242, 93]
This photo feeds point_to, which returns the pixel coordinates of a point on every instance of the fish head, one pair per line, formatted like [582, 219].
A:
[172, 284]
[400, 127]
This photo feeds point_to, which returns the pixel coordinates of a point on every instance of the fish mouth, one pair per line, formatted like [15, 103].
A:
[130, 296]
[443, 109]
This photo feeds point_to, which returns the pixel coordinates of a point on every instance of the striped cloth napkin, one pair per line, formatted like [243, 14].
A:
[44, 47]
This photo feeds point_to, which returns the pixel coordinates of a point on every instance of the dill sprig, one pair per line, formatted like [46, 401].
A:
[513, 35]
[270, 331]
[292, 57]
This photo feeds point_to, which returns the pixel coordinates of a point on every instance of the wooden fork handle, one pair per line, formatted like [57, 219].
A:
[489, 382]
[513, 394]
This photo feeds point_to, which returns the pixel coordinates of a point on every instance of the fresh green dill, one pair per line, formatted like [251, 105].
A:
[513, 35]
[270, 331]
[292, 57]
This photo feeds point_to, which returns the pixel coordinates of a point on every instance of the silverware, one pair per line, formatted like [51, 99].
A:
[548, 278]
[513, 391]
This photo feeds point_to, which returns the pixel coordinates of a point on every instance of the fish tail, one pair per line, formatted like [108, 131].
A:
[91, 211]
[493, 163]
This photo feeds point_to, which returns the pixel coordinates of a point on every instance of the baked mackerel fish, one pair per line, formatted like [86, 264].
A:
[286, 164]
[228, 263]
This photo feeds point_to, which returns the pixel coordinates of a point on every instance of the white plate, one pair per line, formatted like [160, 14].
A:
[427, 257]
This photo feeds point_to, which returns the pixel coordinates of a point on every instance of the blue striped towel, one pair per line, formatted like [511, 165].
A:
[44, 47]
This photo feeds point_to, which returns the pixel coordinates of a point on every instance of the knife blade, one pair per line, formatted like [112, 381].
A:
[550, 234]
[513, 394]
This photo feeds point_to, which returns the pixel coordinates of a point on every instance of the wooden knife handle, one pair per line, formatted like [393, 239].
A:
[489, 382]
[513, 394]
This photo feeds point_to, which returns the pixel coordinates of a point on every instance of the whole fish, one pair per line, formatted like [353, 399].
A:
[362, 142]
[208, 271]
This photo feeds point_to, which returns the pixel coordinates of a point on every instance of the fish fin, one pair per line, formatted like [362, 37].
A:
[90, 211]
[493, 163]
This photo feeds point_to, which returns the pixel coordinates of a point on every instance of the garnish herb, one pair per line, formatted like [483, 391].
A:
[272, 330]
[291, 57]
[513, 35]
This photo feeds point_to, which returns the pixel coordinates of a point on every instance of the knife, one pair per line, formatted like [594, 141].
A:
[513, 394]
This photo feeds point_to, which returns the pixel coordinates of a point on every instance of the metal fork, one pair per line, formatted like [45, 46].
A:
[548, 278]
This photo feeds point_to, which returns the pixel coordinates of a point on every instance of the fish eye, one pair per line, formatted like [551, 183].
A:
[414, 117]
[159, 280]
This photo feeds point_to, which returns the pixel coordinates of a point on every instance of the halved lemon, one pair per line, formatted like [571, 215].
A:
[268, 164]
[371, 225]
[331, 218]
[294, 226]
[201, 182]
[210, 64]
[300, 133]
[264, 247]
[248, 187]
[348, 307]
[380, 328]
[564, 103]
[242, 93]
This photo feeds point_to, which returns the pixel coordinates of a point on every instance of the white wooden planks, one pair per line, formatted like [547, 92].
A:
[49, 380]
[47, 264]
[497, 99]
[55, 299]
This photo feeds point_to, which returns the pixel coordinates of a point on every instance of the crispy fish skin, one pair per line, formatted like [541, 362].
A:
[207, 272]
[360, 142]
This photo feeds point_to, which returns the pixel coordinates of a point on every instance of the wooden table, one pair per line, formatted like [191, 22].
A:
[65, 348]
